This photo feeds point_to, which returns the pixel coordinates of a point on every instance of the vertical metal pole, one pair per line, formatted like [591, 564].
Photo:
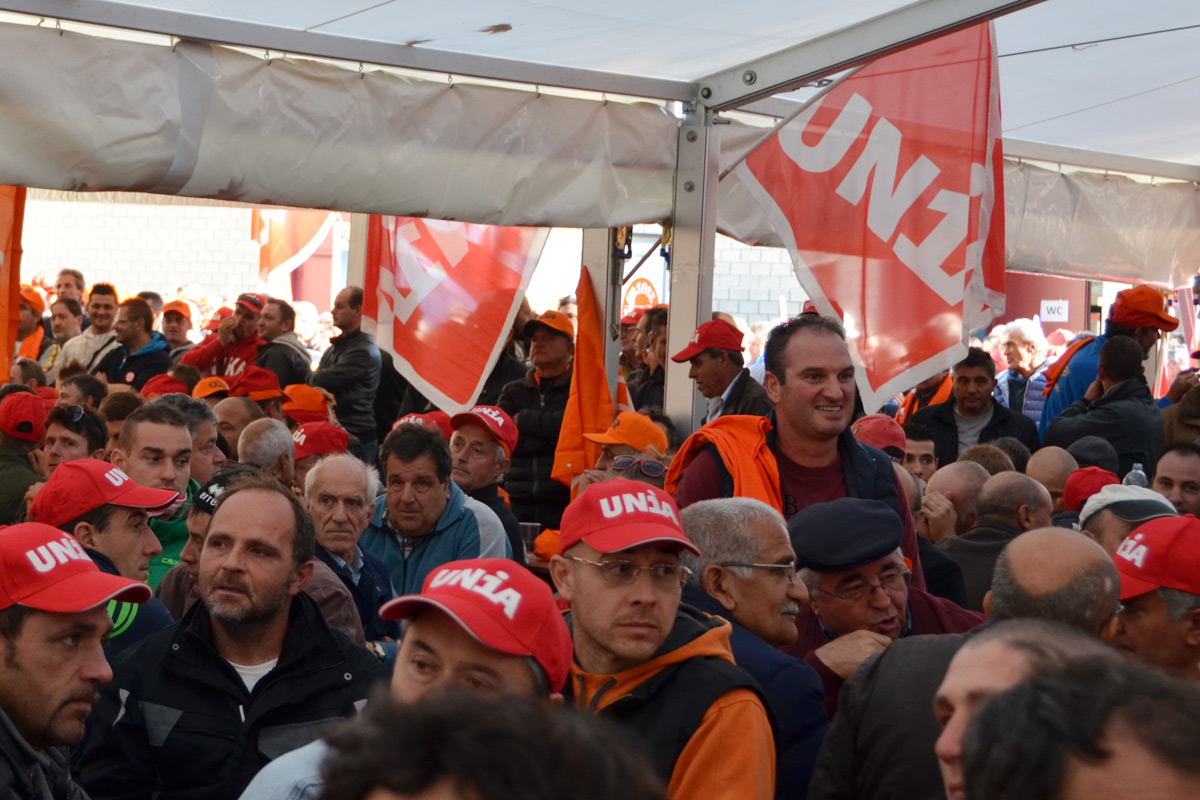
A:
[695, 233]
[356, 262]
[605, 269]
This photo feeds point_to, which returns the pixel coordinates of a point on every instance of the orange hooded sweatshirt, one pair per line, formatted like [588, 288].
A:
[732, 752]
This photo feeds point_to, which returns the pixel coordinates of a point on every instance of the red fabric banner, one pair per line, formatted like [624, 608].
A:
[12, 216]
[441, 297]
[888, 193]
[286, 239]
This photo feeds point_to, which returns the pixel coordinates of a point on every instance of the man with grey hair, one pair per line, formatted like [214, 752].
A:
[267, 444]
[747, 574]
[340, 493]
[1008, 505]
[881, 744]
[1019, 388]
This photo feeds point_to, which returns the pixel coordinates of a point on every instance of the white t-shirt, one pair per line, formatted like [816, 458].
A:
[252, 675]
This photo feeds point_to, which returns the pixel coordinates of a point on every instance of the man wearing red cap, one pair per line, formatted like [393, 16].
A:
[22, 423]
[1141, 314]
[1159, 622]
[53, 624]
[662, 670]
[537, 404]
[32, 340]
[234, 345]
[486, 626]
[314, 440]
[143, 351]
[715, 353]
[631, 359]
[350, 369]
[481, 443]
[262, 386]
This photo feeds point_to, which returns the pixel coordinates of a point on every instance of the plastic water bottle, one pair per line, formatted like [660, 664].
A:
[1137, 477]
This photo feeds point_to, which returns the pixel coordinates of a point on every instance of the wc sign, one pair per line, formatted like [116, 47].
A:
[1055, 311]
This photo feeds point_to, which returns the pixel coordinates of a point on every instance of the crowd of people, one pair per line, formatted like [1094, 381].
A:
[234, 566]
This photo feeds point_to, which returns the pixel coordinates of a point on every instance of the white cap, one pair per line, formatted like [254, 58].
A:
[1130, 503]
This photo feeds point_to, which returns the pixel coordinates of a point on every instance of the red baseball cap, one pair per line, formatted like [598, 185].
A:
[619, 514]
[46, 569]
[257, 383]
[495, 420]
[77, 487]
[633, 429]
[1142, 307]
[633, 316]
[717, 334]
[163, 384]
[557, 322]
[306, 404]
[23, 416]
[253, 302]
[880, 430]
[221, 313]
[320, 438]
[1163, 553]
[179, 307]
[49, 397]
[1085, 482]
[500, 604]
[436, 420]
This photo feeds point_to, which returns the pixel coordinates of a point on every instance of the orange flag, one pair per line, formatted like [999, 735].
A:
[589, 407]
[12, 216]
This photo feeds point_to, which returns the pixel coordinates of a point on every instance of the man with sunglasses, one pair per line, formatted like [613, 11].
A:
[233, 346]
[661, 670]
[72, 433]
[631, 434]
[861, 600]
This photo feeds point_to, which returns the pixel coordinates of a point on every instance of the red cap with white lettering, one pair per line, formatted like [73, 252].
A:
[77, 487]
[1163, 553]
[495, 420]
[502, 605]
[41, 567]
[619, 514]
[319, 439]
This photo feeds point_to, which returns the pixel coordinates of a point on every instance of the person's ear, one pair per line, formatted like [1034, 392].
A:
[560, 573]
[97, 454]
[987, 604]
[1193, 628]
[1108, 631]
[502, 467]
[715, 582]
[301, 578]
[117, 458]
[772, 384]
[85, 533]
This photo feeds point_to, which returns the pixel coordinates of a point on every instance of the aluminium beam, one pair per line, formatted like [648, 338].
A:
[854, 44]
[1100, 162]
[240, 33]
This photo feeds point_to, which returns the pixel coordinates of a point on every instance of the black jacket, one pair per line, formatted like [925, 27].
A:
[1126, 415]
[490, 497]
[941, 423]
[28, 774]
[537, 408]
[132, 622]
[287, 357]
[747, 397]
[976, 552]
[350, 370]
[177, 721]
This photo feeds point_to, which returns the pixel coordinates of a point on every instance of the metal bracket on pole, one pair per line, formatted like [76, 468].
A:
[695, 234]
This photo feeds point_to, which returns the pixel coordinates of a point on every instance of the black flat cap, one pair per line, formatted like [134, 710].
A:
[844, 534]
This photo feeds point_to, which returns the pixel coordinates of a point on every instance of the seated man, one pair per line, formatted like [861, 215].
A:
[1177, 477]
[424, 519]
[631, 434]
[861, 600]
[53, 624]
[1114, 512]
[262, 386]
[948, 508]
[661, 670]
[181, 717]
[267, 444]
[72, 433]
[22, 423]
[747, 575]
[107, 513]
[715, 354]
[313, 441]
[482, 441]
[202, 425]
[82, 390]
[142, 352]
[233, 415]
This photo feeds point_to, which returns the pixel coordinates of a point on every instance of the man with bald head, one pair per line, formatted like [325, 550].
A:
[1051, 466]
[1008, 505]
[949, 506]
[881, 744]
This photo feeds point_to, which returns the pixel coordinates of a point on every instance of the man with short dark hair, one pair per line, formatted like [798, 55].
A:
[715, 354]
[481, 447]
[233, 346]
[202, 421]
[182, 717]
[1117, 406]
[176, 322]
[22, 423]
[99, 339]
[72, 433]
[350, 370]
[66, 319]
[747, 574]
[284, 353]
[424, 519]
[143, 351]
[52, 627]
[233, 415]
[28, 372]
[82, 390]
[919, 456]
[661, 670]
[971, 416]
[1177, 476]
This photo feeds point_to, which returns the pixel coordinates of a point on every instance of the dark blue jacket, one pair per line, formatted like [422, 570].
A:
[132, 622]
[793, 691]
[122, 366]
[374, 588]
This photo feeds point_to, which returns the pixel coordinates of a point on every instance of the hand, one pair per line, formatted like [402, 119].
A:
[937, 519]
[225, 329]
[846, 653]
[1184, 382]
[31, 493]
[1094, 391]
[37, 462]
[590, 476]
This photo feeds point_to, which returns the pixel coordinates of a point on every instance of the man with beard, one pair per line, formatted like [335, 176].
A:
[182, 718]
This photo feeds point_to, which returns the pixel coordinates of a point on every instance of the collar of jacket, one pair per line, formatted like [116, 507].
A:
[344, 338]
[1134, 388]
[22, 758]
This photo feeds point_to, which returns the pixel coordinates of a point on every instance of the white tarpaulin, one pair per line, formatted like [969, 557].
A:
[86, 113]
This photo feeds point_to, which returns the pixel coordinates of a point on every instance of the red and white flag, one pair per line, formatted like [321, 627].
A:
[888, 192]
[12, 216]
[286, 239]
[441, 297]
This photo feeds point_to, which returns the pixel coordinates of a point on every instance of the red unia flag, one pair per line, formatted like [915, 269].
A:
[888, 193]
[12, 215]
[441, 297]
[286, 239]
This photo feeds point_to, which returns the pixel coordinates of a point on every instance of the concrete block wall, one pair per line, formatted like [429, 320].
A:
[747, 281]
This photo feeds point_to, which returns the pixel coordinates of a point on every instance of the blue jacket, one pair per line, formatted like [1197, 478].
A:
[466, 529]
[1035, 385]
[374, 588]
[122, 366]
[793, 690]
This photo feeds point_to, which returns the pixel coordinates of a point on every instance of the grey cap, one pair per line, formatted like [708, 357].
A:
[1130, 503]
[1092, 451]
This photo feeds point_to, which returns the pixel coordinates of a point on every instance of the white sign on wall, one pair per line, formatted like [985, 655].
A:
[1055, 310]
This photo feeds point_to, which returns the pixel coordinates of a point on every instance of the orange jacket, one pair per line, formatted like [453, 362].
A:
[736, 436]
[912, 404]
[731, 754]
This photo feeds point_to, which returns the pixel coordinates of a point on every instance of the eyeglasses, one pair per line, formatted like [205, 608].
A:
[651, 469]
[626, 573]
[889, 583]
[786, 570]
